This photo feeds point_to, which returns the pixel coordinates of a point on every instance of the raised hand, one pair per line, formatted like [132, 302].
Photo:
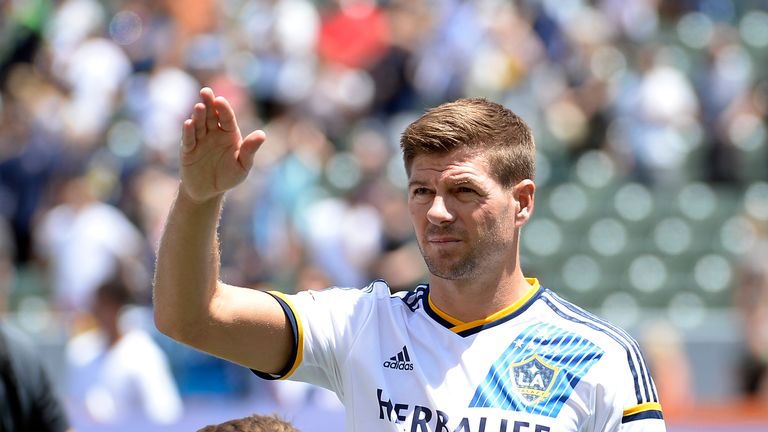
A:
[214, 155]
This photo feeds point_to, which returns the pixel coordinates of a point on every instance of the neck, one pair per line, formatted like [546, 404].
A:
[479, 298]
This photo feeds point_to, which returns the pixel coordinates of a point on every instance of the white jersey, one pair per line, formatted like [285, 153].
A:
[398, 363]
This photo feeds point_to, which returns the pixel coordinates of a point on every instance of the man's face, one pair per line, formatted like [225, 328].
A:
[464, 219]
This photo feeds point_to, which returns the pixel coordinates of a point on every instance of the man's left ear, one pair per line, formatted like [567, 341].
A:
[524, 199]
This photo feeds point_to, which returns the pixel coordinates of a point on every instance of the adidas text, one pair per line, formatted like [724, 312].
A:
[398, 365]
[400, 361]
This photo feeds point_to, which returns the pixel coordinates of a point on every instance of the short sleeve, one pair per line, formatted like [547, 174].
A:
[627, 400]
[325, 326]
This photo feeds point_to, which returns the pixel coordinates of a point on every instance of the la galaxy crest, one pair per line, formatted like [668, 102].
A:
[537, 372]
[533, 378]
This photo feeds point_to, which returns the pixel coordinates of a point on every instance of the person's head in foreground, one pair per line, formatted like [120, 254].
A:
[252, 423]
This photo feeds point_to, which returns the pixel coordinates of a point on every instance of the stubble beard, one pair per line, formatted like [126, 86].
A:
[464, 269]
[469, 265]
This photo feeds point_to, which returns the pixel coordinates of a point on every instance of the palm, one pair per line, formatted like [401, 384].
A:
[214, 156]
[212, 167]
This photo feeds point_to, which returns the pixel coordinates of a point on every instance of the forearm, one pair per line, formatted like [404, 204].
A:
[187, 270]
[191, 304]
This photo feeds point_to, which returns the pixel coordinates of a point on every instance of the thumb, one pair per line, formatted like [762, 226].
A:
[249, 146]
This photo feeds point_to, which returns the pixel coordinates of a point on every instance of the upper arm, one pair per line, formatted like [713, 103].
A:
[245, 326]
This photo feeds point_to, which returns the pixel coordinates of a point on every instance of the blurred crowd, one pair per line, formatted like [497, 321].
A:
[93, 94]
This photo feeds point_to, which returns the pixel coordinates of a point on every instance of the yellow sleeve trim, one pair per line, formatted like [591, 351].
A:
[299, 332]
[648, 406]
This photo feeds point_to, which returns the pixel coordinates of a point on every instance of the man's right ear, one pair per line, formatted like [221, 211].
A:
[524, 194]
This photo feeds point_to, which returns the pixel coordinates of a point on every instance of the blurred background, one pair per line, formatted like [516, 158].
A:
[652, 172]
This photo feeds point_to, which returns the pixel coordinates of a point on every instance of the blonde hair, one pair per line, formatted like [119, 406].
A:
[253, 423]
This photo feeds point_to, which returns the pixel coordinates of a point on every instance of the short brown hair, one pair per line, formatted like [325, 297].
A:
[504, 138]
[253, 423]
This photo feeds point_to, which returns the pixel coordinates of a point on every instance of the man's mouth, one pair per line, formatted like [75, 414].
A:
[442, 240]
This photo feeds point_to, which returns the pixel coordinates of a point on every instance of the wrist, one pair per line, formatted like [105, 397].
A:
[185, 196]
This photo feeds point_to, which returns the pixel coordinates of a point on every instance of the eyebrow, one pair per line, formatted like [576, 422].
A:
[452, 183]
[465, 181]
[412, 183]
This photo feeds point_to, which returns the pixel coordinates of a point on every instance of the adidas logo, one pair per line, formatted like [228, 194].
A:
[401, 361]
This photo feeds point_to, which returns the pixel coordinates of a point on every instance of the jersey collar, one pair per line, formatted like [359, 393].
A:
[469, 328]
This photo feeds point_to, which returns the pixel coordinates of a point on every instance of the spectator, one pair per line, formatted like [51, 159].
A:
[28, 398]
[117, 374]
[84, 241]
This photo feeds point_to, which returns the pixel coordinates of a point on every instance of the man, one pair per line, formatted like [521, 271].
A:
[122, 364]
[479, 348]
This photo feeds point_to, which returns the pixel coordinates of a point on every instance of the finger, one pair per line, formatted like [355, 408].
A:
[248, 149]
[188, 136]
[227, 120]
[198, 120]
[211, 120]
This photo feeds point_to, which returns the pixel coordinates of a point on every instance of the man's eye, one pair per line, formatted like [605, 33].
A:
[420, 191]
[464, 189]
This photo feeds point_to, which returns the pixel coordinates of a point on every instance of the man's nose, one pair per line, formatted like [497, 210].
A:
[438, 213]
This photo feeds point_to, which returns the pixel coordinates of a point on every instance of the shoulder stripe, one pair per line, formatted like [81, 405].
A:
[649, 386]
[591, 325]
[649, 410]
